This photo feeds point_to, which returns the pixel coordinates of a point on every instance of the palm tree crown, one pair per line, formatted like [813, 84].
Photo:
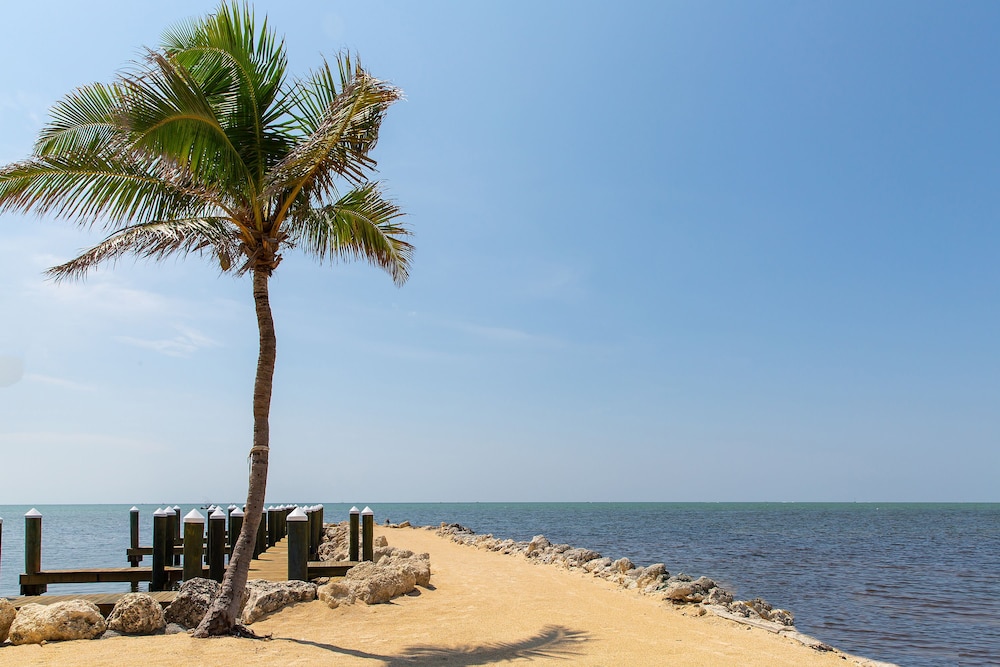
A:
[207, 146]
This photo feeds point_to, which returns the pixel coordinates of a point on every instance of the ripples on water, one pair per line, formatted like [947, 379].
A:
[915, 584]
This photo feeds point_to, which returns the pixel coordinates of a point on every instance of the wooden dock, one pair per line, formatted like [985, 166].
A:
[272, 565]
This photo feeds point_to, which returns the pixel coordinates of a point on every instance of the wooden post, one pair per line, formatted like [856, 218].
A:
[353, 553]
[1, 542]
[260, 546]
[235, 526]
[272, 526]
[33, 550]
[158, 578]
[194, 534]
[368, 534]
[311, 515]
[177, 534]
[217, 544]
[318, 531]
[172, 526]
[133, 533]
[298, 545]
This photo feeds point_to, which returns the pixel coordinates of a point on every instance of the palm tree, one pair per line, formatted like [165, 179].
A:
[207, 147]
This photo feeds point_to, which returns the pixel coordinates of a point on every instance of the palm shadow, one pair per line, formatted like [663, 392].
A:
[552, 641]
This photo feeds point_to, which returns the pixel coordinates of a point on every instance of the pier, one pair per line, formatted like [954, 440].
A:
[287, 548]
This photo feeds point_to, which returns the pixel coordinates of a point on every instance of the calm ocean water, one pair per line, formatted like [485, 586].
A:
[914, 584]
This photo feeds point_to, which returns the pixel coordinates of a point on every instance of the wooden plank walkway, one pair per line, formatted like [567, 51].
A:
[273, 565]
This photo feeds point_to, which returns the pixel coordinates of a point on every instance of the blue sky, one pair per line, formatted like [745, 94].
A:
[665, 251]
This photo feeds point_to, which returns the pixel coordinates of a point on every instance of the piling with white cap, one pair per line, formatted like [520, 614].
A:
[33, 550]
[354, 550]
[298, 545]
[367, 534]
[217, 544]
[272, 526]
[194, 535]
[158, 578]
[235, 526]
[176, 509]
[133, 534]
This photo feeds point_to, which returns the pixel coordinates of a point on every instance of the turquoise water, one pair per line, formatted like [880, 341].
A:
[914, 584]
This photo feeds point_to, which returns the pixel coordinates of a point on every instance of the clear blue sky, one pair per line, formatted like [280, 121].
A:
[665, 251]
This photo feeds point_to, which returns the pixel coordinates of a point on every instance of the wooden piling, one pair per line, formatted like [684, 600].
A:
[158, 578]
[368, 534]
[172, 526]
[260, 546]
[133, 533]
[353, 553]
[194, 534]
[272, 526]
[235, 526]
[177, 533]
[217, 544]
[1, 540]
[319, 529]
[298, 545]
[33, 550]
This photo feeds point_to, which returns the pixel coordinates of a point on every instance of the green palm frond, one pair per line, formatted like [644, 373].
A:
[341, 128]
[170, 115]
[86, 187]
[87, 120]
[363, 225]
[157, 240]
[229, 56]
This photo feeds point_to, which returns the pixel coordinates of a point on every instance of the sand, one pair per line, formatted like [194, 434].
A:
[482, 608]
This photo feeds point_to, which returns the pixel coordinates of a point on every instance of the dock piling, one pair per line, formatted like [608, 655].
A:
[217, 544]
[354, 550]
[235, 526]
[33, 550]
[194, 534]
[368, 534]
[260, 546]
[272, 526]
[158, 578]
[298, 545]
[133, 532]
[177, 534]
[318, 531]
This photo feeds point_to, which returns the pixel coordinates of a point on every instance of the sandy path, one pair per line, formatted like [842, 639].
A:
[483, 608]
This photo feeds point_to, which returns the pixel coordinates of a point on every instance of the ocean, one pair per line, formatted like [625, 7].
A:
[914, 584]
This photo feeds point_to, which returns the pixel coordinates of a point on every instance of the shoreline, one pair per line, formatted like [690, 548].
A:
[480, 607]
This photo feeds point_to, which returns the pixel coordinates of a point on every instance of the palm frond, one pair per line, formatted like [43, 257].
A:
[363, 225]
[170, 115]
[229, 56]
[86, 120]
[157, 240]
[86, 187]
[341, 127]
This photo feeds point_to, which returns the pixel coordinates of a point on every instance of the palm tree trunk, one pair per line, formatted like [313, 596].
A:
[222, 616]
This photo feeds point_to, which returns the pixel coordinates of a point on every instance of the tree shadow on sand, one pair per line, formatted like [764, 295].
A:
[552, 641]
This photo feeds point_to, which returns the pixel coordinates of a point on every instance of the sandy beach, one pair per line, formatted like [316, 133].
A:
[482, 608]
